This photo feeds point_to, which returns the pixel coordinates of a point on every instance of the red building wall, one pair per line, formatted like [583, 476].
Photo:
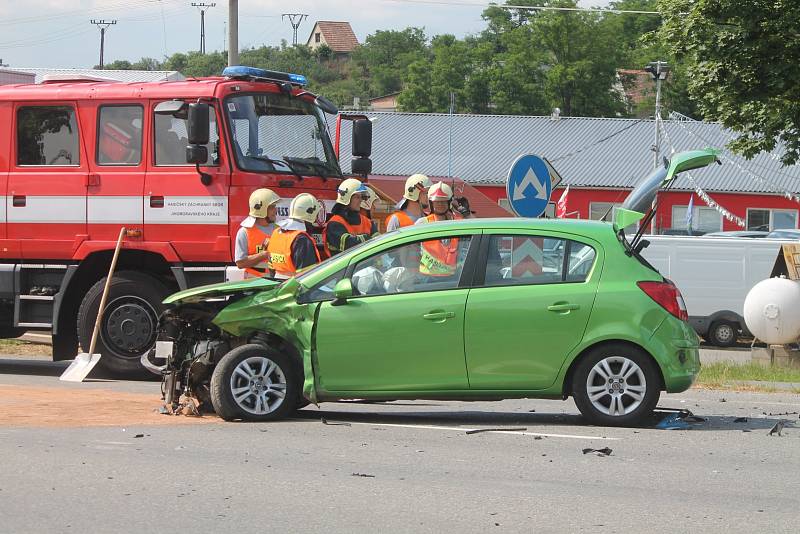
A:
[736, 203]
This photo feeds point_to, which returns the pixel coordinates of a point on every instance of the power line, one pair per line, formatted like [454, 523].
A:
[103, 25]
[203, 8]
[295, 19]
[527, 8]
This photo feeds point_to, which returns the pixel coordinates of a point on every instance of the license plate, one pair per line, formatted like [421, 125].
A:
[163, 349]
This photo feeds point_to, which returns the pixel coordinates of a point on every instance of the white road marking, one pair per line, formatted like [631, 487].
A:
[462, 430]
[751, 401]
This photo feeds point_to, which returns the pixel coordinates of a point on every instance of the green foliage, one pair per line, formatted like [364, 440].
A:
[526, 61]
[742, 58]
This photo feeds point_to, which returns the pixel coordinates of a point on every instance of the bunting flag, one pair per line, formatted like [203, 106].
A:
[561, 206]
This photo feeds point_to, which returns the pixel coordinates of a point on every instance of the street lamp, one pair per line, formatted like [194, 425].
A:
[658, 71]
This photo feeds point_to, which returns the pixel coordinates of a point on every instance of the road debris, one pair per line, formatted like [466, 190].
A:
[778, 428]
[364, 475]
[779, 414]
[326, 422]
[679, 420]
[600, 452]
[740, 420]
[479, 430]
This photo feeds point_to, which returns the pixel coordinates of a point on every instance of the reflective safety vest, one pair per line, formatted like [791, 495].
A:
[364, 226]
[257, 242]
[403, 218]
[280, 252]
[439, 257]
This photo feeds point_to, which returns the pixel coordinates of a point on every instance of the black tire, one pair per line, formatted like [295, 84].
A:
[129, 325]
[723, 333]
[615, 355]
[247, 409]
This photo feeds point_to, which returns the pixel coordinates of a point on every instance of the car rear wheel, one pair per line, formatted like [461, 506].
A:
[723, 333]
[254, 383]
[616, 385]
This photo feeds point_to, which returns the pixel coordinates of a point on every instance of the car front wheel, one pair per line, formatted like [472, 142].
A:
[616, 385]
[254, 383]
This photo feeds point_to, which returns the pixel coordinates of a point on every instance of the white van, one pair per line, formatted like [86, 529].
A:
[714, 275]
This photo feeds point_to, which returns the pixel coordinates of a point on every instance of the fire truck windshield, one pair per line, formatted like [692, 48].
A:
[272, 131]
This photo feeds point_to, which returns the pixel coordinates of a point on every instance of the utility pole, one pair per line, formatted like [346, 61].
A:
[295, 19]
[103, 25]
[658, 70]
[233, 32]
[203, 8]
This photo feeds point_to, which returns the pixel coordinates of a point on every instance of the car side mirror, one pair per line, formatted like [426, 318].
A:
[362, 166]
[342, 291]
[198, 154]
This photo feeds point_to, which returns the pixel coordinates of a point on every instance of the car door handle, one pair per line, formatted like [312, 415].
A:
[563, 307]
[439, 316]
[19, 201]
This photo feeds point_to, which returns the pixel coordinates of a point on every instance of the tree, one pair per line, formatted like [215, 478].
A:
[742, 59]
[382, 62]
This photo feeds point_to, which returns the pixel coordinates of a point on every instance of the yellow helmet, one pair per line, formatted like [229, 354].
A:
[369, 197]
[347, 189]
[440, 191]
[261, 200]
[304, 207]
[414, 184]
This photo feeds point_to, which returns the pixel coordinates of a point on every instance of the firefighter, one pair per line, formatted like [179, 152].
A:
[412, 206]
[347, 227]
[253, 236]
[440, 197]
[369, 198]
[291, 247]
[439, 257]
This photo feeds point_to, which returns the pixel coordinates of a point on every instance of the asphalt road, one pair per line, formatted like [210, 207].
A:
[402, 467]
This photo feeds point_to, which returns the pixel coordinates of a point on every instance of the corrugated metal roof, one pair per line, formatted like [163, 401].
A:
[587, 152]
[119, 75]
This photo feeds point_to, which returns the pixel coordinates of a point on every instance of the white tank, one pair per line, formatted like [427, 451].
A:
[772, 311]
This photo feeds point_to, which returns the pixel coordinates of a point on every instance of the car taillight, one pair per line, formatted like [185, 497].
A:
[667, 295]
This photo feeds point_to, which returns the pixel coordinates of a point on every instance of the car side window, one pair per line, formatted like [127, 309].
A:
[581, 261]
[531, 260]
[47, 135]
[322, 290]
[119, 135]
[429, 265]
[171, 139]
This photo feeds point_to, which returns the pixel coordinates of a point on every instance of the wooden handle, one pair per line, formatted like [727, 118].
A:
[105, 291]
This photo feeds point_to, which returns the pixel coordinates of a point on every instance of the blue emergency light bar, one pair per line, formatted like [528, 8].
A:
[241, 72]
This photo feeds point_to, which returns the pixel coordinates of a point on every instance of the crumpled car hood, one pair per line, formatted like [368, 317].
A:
[201, 293]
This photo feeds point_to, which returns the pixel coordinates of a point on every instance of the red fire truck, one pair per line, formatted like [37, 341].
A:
[174, 163]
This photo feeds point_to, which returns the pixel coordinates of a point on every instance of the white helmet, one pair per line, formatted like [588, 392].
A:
[261, 200]
[347, 189]
[369, 197]
[440, 191]
[414, 184]
[304, 207]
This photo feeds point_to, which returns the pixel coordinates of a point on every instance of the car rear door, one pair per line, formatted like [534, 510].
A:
[528, 308]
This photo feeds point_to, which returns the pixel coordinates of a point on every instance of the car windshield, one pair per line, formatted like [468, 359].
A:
[269, 127]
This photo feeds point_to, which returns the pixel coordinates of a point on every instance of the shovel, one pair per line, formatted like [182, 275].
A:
[83, 364]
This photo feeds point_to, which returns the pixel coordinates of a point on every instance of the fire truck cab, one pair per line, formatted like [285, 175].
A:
[172, 162]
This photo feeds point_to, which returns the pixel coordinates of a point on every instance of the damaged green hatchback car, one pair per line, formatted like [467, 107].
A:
[512, 308]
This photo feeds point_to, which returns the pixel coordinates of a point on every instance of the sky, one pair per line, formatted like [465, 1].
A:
[58, 33]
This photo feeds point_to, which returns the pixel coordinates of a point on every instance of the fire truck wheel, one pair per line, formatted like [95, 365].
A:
[130, 321]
